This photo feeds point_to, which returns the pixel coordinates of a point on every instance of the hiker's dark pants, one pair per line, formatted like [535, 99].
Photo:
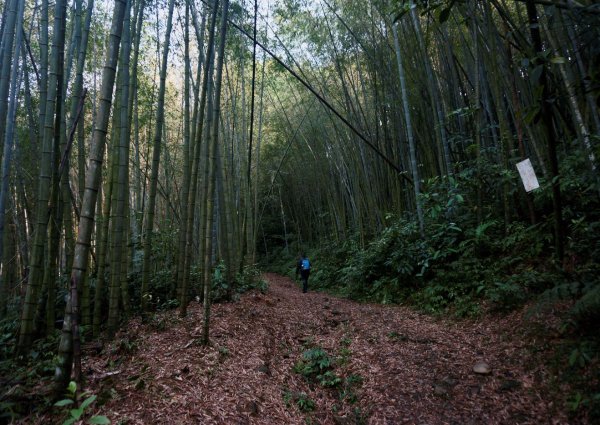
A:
[304, 277]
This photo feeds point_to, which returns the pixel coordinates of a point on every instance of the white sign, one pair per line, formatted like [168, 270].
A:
[527, 174]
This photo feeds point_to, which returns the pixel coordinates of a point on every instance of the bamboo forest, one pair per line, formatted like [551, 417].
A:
[300, 212]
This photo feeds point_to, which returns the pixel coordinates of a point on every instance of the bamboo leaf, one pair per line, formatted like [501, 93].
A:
[532, 115]
[88, 401]
[76, 413]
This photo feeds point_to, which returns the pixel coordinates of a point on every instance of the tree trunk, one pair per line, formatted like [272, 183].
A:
[213, 141]
[433, 92]
[547, 120]
[8, 38]
[6, 238]
[191, 205]
[160, 114]
[93, 178]
[42, 213]
[187, 160]
[15, 83]
[409, 132]
[118, 237]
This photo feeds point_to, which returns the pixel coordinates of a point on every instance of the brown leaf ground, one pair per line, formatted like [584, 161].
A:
[415, 369]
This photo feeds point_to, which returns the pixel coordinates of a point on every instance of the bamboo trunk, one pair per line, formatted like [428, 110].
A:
[93, 178]
[210, 195]
[41, 221]
[160, 113]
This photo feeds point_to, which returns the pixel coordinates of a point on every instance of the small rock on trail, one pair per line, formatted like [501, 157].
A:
[482, 368]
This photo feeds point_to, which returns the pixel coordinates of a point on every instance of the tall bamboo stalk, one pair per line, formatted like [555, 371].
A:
[210, 195]
[547, 120]
[93, 178]
[15, 83]
[199, 133]
[187, 160]
[409, 133]
[119, 227]
[160, 118]
[41, 218]
[8, 39]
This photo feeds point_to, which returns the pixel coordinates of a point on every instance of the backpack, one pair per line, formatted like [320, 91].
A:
[305, 264]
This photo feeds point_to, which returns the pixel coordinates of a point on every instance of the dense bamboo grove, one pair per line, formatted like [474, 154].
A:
[150, 149]
[464, 88]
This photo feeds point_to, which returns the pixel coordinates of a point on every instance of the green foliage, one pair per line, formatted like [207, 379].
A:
[461, 262]
[344, 355]
[581, 355]
[516, 289]
[314, 361]
[76, 414]
[223, 353]
[159, 289]
[23, 372]
[345, 387]
[288, 396]
[8, 329]
[347, 391]
[586, 311]
[281, 260]
[161, 293]
[126, 345]
[247, 279]
[300, 399]
[220, 287]
[250, 278]
[576, 362]
[158, 322]
[304, 403]
[590, 402]
[402, 7]
[329, 379]
[8, 411]
[318, 367]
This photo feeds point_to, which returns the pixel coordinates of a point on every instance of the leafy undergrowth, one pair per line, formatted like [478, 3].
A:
[25, 381]
[287, 357]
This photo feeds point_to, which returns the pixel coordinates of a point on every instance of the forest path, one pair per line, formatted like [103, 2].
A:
[414, 369]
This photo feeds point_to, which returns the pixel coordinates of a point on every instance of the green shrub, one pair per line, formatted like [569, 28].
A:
[250, 278]
[314, 361]
[304, 403]
[76, 413]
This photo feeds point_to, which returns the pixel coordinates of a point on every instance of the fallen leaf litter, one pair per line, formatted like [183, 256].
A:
[415, 369]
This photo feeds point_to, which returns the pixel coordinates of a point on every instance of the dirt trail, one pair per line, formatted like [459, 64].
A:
[414, 369]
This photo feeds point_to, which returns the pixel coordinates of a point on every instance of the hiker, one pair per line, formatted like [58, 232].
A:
[304, 272]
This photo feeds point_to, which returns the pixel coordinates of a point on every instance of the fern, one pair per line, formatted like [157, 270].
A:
[481, 229]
